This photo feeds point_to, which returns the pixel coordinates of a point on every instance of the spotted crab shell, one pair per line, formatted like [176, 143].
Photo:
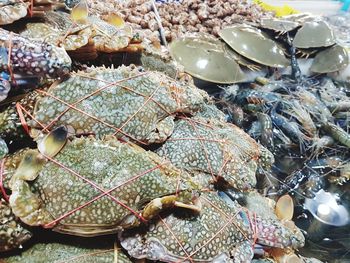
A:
[251, 43]
[204, 57]
[39, 197]
[314, 34]
[332, 59]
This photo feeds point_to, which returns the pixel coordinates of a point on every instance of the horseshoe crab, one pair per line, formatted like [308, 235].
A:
[314, 34]
[12, 232]
[281, 26]
[221, 233]
[331, 59]
[251, 43]
[90, 187]
[215, 148]
[204, 57]
[126, 102]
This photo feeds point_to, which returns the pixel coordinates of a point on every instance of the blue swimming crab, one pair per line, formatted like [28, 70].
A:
[223, 232]
[216, 148]
[30, 57]
[127, 102]
[92, 187]
[27, 62]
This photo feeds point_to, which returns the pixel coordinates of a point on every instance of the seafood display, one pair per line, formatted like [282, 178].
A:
[173, 131]
[180, 18]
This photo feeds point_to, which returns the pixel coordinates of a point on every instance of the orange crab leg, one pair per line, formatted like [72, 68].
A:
[253, 224]
[30, 8]
[24, 123]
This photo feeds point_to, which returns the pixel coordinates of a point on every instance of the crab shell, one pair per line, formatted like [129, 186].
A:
[46, 192]
[12, 10]
[40, 31]
[314, 34]
[12, 232]
[100, 251]
[215, 148]
[204, 57]
[278, 25]
[251, 43]
[33, 58]
[331, 59]
[139, 105]
[221, 233]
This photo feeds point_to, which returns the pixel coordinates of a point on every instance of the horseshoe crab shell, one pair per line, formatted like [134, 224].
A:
[279, 25]
[204, 57]
[314, 34]
[251, 43]
[332, 59]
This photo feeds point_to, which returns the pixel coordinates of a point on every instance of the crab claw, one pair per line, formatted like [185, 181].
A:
[26, 205]
[53, 142]
[157, 205]
[285, 208]
[29, 167]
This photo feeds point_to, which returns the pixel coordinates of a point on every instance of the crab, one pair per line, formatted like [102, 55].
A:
[12, 10]
[31, 58]
[314, 34]
[73, 251]
[216, 148]
[223, 232]
[126, 102]
[12, 232]
[332, 59]
[263, 50]
[91, 187]
[84, 40]
[280, 26]
[205, 57]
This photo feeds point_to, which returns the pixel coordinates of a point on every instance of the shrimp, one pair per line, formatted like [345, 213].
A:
[291, 129]
[337, 133]
[266, 130]
[301, 114]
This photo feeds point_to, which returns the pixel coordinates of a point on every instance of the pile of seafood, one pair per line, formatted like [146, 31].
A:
[230, 144]
[178, 19]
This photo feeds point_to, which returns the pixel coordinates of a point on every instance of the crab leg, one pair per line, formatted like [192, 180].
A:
[159, 204]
